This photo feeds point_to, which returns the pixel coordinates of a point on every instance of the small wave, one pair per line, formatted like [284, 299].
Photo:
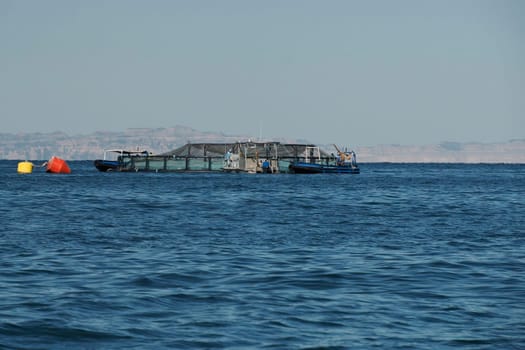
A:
[44, 332]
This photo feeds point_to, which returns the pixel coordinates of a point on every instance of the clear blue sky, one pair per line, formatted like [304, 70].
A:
[355, 73]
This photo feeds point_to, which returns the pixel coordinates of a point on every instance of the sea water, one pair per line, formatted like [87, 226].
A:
[402, 256]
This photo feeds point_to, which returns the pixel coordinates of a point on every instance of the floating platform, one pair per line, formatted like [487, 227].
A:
[249, 157]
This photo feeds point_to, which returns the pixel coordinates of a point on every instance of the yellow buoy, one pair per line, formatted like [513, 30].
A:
[25, 167]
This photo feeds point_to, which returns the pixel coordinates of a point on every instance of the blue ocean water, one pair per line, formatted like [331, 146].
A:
[402, 256]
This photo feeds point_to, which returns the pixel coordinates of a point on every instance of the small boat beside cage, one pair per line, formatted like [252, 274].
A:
[117, 159]
[344, 163]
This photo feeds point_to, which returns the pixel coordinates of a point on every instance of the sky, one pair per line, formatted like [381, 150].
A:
[355, 73]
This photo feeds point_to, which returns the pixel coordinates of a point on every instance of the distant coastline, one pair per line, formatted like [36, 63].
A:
[41, 146]
[511, 152]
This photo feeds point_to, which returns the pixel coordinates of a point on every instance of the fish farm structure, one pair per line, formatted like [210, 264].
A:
[250, 157]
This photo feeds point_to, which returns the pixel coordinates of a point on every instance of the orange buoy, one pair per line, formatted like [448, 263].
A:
[58, 166]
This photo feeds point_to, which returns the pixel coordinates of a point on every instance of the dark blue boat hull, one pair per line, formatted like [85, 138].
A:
[313, 168]
[106, 165]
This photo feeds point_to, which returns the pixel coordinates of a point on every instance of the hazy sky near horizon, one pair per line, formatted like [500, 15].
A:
[347, 72]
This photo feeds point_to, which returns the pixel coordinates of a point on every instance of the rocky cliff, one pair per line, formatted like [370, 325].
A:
[38, 146]
[446, 152]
